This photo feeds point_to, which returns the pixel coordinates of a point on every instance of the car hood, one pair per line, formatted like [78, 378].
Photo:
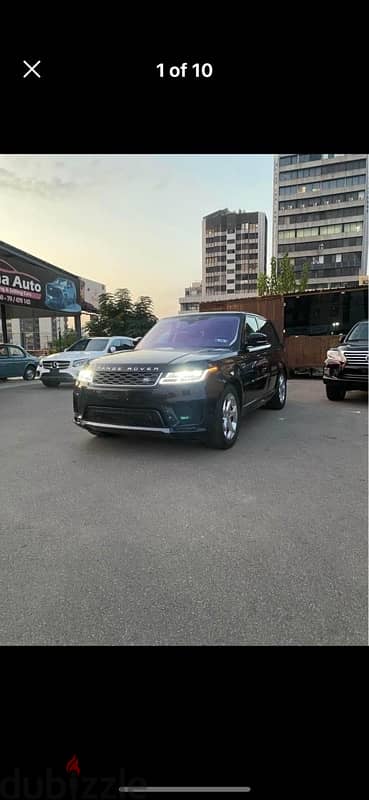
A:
[72, 356]
[161, 358]
[352, 346]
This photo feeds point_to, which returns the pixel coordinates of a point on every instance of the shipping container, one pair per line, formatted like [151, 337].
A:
[309, 322]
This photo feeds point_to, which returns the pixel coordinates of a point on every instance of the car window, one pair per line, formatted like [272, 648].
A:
[80, 345]
[121, 343]
[251, 324]
[193, 332]
[268, 329]
[3, 351]
[96, 345]
[359, 333]
[16, 351]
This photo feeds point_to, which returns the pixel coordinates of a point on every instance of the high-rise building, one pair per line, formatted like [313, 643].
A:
[320, 215]
[234, 248]
[192, 298]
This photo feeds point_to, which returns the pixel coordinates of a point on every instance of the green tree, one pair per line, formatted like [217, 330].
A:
[282, 278]
[263, 284]
[65, 340]
[287, 283]
[304, 280]
[274, 281]
[143, 317]
[119, 316]
[114, 317]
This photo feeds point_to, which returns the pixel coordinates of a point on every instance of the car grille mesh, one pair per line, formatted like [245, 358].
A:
[142, 418]
[57, 364]
[106, 377]
[357, 358]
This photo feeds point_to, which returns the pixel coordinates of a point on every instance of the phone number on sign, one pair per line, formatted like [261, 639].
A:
[10, 299]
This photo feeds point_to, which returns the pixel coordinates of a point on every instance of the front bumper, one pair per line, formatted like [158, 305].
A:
[350, 377]
[162, 410]
[61, 377]
[68, 375]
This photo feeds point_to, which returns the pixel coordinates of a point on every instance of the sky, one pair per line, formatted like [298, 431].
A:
[127, 221]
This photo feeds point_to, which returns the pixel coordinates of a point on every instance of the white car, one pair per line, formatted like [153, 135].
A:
[64, 367]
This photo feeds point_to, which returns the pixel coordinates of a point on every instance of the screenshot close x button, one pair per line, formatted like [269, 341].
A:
[31, 69]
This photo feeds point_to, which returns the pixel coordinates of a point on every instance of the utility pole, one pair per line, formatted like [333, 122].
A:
[3, 323]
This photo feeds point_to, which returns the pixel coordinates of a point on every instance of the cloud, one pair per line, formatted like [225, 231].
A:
[58, 176]
[55, 185]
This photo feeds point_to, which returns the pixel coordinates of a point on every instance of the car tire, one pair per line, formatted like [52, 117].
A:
[278, 400]
[335, 391]
[226, 426]
[29, 373]
[51, 384]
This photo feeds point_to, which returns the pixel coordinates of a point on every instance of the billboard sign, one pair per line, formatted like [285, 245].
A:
[90, 293]
[28, 284]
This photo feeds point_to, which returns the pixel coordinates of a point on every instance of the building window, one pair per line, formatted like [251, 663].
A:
[287, 234]
[353, 227]
[303, 233]
[338, 258]
[328, 230]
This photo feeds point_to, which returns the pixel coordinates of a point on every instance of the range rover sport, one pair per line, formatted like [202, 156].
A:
[190, 376]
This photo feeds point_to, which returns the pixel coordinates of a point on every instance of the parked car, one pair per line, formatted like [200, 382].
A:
[64, 367]
[191, 375]
[15, 362]
[346, 366]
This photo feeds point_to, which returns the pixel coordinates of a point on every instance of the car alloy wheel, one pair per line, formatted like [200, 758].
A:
[229, 417]
[29, 374]
[282, 388]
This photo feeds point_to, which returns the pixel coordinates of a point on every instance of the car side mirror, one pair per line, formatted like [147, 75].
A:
[256, 339]
[341, 338]
[112, 349]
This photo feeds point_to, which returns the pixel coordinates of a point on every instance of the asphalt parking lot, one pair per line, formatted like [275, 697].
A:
[142, 541]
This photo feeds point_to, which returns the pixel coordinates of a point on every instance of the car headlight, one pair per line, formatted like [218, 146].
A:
[80, 362]
[85, 375]
[336, 355]
[187, 375]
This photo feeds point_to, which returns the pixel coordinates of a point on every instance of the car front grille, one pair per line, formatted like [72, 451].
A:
[132, 417]
[56, 364]
[108, 378]
[356, 358]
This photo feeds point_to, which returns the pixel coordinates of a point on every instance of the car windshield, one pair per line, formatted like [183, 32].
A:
[192, 332]
[81, 344]
[359, 333]
[96, 344]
